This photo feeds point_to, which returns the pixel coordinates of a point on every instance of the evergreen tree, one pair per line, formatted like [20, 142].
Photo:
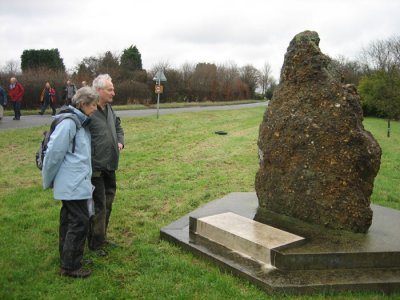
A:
[131, 59]
[43, 58]
[108, 63]
[83, 73]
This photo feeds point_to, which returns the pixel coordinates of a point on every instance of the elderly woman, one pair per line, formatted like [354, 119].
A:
[67, 169]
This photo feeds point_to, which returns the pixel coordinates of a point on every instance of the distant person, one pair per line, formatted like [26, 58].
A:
[69, 91]
[16, 92]
[107, 142]
[84, 83]
[67, 168]
[3, 101]
[48, 97]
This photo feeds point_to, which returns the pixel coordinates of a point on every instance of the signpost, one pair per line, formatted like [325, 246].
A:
[159, 88]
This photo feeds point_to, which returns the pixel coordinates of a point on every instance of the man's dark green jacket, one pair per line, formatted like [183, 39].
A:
[106, 131]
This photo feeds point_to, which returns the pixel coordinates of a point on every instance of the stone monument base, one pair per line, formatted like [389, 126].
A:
[282, 254]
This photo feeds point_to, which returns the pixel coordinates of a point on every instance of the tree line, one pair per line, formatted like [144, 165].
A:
[375, 72]
[135, 85]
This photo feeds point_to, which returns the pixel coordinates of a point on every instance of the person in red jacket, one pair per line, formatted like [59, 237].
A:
[16, 92]
[48, 97]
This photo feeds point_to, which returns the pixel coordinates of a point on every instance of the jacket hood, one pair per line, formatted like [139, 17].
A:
[82, 118]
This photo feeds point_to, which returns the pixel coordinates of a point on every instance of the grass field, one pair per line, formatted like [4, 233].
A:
[169, 167]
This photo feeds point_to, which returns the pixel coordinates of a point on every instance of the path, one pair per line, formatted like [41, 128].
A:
[37, 120]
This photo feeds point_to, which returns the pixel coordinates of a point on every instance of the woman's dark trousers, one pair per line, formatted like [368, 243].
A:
[46, 103]
[74, 224]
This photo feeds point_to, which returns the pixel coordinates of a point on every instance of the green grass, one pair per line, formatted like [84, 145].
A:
[9, 111]
[169, 167]
[386, 186]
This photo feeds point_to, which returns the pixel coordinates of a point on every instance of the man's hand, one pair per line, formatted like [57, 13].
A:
[120, 146]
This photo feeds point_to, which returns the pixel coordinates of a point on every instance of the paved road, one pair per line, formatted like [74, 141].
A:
[37, 120]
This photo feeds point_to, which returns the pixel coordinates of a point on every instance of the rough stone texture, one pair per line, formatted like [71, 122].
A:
[317, 162]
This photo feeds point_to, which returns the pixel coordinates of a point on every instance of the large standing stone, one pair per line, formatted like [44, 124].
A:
[317, 162]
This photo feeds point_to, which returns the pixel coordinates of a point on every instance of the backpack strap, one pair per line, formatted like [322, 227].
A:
[73, 144]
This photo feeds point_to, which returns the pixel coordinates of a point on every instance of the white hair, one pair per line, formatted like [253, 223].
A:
[100, 81]
[85, 95]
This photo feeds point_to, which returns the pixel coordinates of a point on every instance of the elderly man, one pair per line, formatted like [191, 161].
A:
[69, 91]
[16, 93]
[107, 142]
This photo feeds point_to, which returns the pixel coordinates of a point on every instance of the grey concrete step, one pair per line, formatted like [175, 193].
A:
[244, 235]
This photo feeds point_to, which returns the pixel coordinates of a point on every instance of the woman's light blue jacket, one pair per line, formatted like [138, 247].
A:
[69, 173]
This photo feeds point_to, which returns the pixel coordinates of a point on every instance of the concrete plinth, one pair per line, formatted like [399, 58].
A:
[251, 238]
[326, 260]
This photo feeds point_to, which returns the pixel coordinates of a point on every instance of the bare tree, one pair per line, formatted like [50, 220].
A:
[228, 71]
[345, 70]
[377, 56]
[394, 48]
[204, 81]
[12, 67]
[162, 65]
[227, 77]
[187, 70]
[265, 78]
[250, 76]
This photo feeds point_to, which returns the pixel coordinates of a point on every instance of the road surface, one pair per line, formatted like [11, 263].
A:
[38, 120]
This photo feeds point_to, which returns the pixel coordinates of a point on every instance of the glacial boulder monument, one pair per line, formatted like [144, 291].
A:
[308, 225]
[317, 162]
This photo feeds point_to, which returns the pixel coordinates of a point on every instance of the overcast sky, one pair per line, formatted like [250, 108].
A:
[214, 31]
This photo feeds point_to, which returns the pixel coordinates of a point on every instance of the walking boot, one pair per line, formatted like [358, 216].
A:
[79, 273]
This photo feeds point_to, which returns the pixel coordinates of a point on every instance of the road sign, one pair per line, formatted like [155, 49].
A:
[160, 76]
[159, 89]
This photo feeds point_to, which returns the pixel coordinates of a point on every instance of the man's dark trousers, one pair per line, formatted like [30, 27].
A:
[17, 109]
[103, 197]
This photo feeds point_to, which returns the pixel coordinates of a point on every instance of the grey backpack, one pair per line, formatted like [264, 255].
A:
[40, 153]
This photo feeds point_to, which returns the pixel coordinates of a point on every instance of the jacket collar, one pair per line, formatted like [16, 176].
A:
[81, 116]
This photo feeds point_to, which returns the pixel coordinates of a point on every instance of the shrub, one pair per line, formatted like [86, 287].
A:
[132, 92]
[34, 81]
